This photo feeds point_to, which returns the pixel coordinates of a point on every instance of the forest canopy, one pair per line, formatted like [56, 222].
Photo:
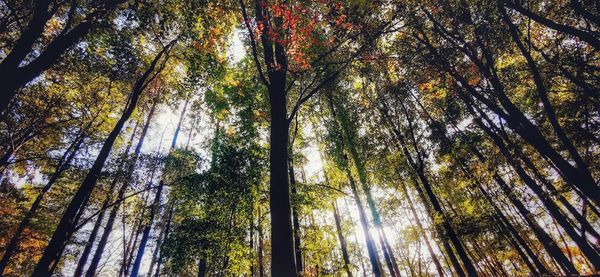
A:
[299, 138]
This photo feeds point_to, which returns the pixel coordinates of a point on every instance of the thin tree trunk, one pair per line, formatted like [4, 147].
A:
[156, 203]
[343, 247]
[92, 237]
[295, 221]
[159, 239]
[126, 181]
[371, 247]
[167, 230]
[261, 267]
[63, 164]
[436, 261]
[345, 131]
[67, 224]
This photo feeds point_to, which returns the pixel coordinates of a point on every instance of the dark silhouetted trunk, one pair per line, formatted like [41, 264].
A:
[343, 247]
[120, 194]
[20, 76]
[282, 248]
[154, 209]
[411, 205]
[64, 163]
[202, 267]
[167, 229]
[261, 266]
[100, 218]
[295, 220]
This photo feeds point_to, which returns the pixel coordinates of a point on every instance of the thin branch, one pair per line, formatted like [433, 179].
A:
[119, 201]
[253, 45]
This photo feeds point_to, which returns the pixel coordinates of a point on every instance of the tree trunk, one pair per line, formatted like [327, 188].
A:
[92, 237]
[64, 163]
[411, 205]
[345, 131]
[20, 76]
[159, 239]
[166, 235]
[202, 267]
[343, 247]
[339, 132]
[295, 221]
[261, 267]
[156, 203]
[120, 194]
[66, 227]
[282, 246]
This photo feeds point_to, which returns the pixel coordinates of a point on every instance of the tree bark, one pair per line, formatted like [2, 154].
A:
[20, 76]
[115, 209]
[63, 164]
[411, 205]
[343, 247]
[156, 203]
[295, 220]
[93, 234]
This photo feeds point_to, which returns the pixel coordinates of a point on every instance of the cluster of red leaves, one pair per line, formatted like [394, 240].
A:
[300, 26]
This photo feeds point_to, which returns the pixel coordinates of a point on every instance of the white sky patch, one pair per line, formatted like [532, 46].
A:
[236, 51]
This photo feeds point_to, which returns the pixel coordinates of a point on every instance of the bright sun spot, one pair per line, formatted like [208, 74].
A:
[236, 51]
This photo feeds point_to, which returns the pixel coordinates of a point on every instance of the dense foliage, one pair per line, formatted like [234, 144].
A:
[299, 138]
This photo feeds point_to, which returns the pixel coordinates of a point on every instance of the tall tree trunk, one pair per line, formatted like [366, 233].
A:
[411, 205]
[100, 218]
[345, 131]
[156, 203]
[282, 247]
[63, 164]
[115, 209]
[295, 221]
[66, 227]
[343, 247]
[20, 76]
[371, 248]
